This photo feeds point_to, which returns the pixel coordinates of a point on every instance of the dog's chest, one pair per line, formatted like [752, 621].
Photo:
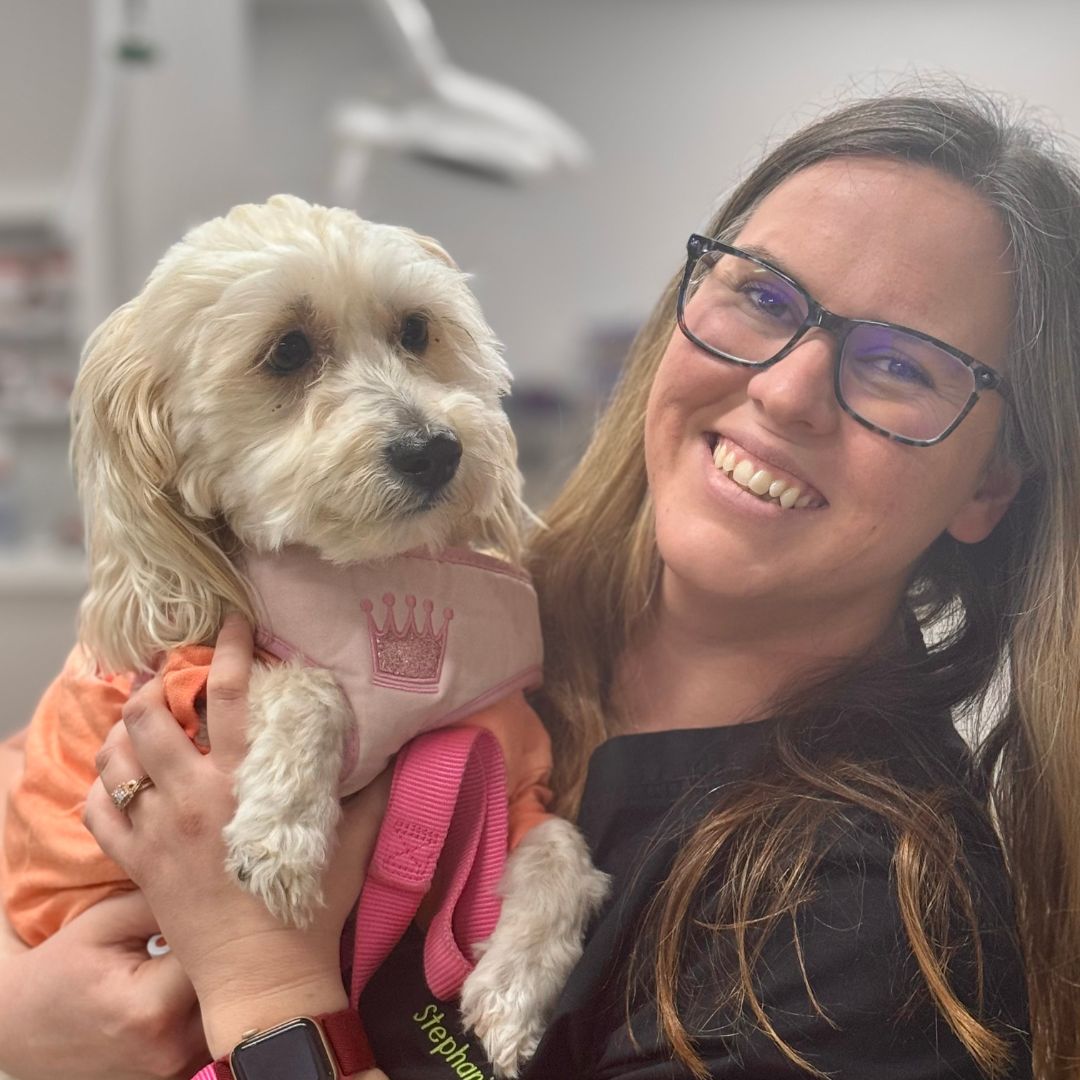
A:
[415, 642]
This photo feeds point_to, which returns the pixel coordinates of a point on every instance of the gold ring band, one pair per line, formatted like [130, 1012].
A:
[123, 794]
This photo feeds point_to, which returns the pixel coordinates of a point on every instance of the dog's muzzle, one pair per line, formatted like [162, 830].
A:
[428, 460]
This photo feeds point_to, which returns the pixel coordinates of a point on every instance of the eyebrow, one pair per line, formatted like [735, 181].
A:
[766, 255]
[761, 252]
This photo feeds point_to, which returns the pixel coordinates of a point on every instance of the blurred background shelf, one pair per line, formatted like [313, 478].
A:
[33, 570]
[40, 589]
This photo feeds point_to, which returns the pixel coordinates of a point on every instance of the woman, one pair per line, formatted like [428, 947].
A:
[755, 738]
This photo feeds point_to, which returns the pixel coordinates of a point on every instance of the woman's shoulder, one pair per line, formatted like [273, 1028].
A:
[838, 979]
[880, 961]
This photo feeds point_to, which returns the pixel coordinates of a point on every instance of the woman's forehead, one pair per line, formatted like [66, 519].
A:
[875, 238]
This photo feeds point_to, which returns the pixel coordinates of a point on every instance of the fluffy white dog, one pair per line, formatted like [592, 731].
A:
[294, 375]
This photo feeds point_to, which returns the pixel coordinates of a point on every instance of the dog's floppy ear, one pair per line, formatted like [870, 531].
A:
[432, 247]
[157, 578]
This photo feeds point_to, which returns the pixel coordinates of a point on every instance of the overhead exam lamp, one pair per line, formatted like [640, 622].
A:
[453, 118]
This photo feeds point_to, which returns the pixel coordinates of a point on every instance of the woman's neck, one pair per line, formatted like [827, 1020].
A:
[714, 664]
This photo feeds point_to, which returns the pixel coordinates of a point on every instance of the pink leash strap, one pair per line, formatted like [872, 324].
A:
[447, 800]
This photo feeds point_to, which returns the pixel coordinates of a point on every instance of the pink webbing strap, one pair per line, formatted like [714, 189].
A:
[447, 800]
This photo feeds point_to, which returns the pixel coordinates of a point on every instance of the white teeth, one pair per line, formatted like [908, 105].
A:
[759, 481]
[723, 458]
[742, 474]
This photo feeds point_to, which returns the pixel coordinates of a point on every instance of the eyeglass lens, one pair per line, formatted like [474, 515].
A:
[892, 379]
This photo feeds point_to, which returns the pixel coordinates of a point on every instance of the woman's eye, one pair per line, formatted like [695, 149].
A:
[899, 368]
[414, 334]
[770, 302]
[291, 353]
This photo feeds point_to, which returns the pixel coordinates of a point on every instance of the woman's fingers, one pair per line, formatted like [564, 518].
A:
[126, 922]
[117, 761]
[117, 764]
[158, 742]
[227, 691]
[110, 828]
[123, 919]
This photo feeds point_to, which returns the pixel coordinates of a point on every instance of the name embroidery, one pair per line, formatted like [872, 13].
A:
[446, 1047]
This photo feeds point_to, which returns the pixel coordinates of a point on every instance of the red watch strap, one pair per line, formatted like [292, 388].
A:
[348, 1039]
[346, 1036]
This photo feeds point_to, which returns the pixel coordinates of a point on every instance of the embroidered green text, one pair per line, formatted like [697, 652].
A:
[445, 1046]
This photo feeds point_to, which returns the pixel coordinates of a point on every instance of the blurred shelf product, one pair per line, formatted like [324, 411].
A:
[38, 362]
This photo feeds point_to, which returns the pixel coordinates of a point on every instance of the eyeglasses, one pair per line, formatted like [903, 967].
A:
[901, 383]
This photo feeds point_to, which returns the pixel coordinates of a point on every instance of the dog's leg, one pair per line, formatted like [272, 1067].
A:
[287, 788]
[550, 889]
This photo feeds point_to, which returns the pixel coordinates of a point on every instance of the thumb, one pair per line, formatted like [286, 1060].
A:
[120, 919]
[227, 691]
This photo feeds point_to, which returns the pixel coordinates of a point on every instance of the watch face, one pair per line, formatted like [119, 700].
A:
[294, 1051]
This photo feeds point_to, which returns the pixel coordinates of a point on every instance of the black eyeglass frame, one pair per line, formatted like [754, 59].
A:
[986, 378]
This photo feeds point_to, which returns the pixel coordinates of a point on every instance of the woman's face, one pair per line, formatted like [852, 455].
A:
[872, 239]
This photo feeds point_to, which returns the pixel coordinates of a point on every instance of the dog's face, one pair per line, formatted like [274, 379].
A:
[325, 381]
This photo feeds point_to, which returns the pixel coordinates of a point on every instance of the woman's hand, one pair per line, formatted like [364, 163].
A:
[249, 970]
[90, 1003]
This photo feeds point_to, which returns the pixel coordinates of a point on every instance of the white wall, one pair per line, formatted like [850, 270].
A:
[676, 97]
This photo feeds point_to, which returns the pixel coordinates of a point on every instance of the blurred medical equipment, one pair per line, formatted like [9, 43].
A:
[120, 49]
[450, 117]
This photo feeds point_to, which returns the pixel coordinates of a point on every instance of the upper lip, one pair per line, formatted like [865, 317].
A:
[770, 455]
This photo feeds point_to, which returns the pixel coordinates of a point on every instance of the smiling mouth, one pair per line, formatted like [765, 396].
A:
[766, 482]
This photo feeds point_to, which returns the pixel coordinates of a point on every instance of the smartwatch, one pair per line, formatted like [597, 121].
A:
[305, 1048]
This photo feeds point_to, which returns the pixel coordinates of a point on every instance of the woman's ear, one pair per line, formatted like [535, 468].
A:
[157, 579]
[976, 519]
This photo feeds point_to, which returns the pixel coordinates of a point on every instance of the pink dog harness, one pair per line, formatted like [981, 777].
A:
[447, 799]
[417, 643]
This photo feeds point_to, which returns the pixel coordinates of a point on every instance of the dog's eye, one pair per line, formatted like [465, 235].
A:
[414, 333]
[291, 353]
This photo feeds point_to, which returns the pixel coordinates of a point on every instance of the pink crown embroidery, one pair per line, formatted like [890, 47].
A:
[408, 658]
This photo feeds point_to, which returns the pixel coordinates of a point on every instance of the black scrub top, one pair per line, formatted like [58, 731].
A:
[642, 792]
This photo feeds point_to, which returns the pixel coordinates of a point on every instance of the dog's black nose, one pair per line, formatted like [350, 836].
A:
[427, 460]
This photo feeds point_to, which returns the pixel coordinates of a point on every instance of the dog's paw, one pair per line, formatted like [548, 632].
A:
[272, 869]
[507, 1024]
[550, 890]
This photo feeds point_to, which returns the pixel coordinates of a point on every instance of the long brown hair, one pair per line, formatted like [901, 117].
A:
[1008, 613]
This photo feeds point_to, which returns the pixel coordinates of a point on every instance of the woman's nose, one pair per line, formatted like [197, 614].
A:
[798, 390]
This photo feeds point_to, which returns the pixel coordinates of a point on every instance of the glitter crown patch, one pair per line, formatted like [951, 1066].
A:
[409, 657]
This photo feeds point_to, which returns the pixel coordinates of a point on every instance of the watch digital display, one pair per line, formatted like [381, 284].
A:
[293, 1051]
